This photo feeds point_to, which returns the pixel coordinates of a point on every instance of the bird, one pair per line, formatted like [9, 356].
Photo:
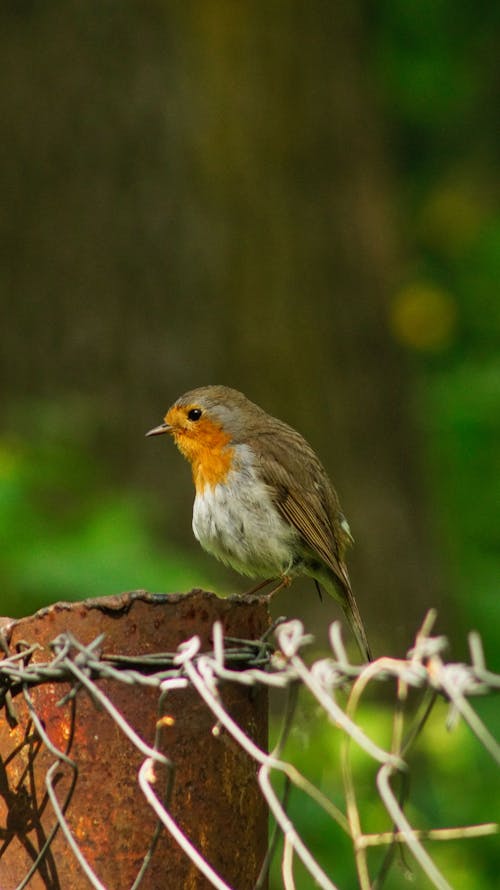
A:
[264, 504]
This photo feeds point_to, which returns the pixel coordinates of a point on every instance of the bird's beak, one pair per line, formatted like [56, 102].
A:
[159, 430]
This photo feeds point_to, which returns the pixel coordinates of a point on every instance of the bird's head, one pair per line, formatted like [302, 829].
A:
[205, 423]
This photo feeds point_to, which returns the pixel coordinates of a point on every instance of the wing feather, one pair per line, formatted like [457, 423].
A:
[304, 496]
[314, 527]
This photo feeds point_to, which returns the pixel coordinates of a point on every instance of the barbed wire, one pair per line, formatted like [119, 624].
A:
[257, 664]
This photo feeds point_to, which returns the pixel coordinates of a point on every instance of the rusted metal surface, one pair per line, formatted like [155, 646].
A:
[215, 799]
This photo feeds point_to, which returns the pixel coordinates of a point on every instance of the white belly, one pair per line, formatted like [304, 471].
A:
[237, 524]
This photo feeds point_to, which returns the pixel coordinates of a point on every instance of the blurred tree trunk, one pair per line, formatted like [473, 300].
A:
[197, 192]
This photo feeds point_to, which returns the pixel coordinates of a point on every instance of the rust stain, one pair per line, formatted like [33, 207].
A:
[215, 784]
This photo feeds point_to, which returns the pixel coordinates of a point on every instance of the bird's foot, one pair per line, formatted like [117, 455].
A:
[284, 581]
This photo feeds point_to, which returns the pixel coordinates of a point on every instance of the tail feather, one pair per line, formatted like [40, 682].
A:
[353, 616]
[344, 595]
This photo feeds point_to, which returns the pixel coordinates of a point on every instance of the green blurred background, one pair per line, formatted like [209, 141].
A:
[297, 199]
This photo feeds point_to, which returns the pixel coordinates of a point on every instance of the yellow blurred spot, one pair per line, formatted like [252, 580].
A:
[423, 316]
[166, 720]
[452, 216]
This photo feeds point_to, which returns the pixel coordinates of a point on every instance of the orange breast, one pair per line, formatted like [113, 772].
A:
[206, 446]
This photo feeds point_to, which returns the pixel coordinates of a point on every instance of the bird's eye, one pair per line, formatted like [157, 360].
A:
[194, 414]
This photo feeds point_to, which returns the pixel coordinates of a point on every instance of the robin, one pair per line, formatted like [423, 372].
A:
[264, 504]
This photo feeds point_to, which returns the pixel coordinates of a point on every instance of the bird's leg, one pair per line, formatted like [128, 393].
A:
[259, 586]
[284, 581]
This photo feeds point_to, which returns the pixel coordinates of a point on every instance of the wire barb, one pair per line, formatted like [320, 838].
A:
[255, 664]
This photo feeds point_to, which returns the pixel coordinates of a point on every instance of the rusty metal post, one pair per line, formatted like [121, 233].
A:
[215, 799]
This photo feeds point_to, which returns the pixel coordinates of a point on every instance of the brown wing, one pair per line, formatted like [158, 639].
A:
[311, 522]
[304, 496]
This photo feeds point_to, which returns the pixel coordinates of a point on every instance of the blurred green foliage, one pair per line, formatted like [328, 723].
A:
[450, 776]
[68, 535]
[435, 66]
[464, 425]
